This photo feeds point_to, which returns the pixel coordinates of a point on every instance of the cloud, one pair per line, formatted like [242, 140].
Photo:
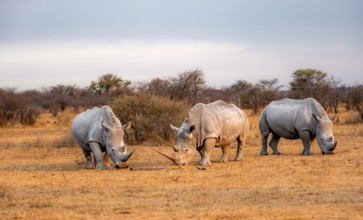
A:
[34, 65]
[81, 62]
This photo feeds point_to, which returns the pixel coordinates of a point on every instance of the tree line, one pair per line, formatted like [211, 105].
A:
[187, 87]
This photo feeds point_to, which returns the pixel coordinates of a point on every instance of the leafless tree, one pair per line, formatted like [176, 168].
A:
[17, 107]
[158, 87]
[236, 93]
[357, 99]
[187, 86]
[269, 90]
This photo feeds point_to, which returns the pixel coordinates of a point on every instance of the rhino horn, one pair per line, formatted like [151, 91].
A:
[127, 126]
[335, 144]
[125, 156]
[170, 157]
[176, 148]
[173, 127]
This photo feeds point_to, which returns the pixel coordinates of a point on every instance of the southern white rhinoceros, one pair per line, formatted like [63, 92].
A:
[205, 126]
[98, 130]
[293, 119]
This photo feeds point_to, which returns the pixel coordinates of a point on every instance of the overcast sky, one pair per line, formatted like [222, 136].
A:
[44, 43]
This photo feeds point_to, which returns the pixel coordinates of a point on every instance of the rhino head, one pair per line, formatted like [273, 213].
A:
[185, 147]
[113, 137]
[324, 135]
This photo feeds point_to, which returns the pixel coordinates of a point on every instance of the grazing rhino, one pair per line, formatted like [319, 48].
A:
[98, 130]
[217, 124]
[292, 119]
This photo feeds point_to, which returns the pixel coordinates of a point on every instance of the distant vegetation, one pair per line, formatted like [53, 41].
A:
[153, 105]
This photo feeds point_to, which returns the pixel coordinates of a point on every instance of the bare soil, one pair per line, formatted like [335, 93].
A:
[48, 181]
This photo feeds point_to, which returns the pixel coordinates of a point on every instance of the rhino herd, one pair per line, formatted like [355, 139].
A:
[100, 133]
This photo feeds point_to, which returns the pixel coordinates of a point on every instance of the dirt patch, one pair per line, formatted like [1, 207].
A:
[51, 183]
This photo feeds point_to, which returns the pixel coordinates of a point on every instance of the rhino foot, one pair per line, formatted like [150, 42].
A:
[223, 159]
[277, 153]
[204, 162]
[264, 153]
[89, 166]
[238, 159]
[306, 153]
[101, 167]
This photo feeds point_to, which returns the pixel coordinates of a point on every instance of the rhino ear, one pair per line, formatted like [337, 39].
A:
[108, 128]
[191, 129]
[317, 118]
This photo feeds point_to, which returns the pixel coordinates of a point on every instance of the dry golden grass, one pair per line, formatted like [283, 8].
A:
[42, 181]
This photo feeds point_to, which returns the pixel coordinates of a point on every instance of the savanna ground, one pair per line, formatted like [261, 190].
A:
[42, 176]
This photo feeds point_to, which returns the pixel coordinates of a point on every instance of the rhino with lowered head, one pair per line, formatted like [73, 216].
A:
[217, 124]
[98, 130]
[293, 119]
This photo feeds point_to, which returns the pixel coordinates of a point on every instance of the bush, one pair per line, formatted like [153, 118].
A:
[8, 106]
[17, 107]
[29, 114]
[151, 117]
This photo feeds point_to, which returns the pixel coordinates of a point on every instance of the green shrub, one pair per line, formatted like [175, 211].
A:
[151, 117]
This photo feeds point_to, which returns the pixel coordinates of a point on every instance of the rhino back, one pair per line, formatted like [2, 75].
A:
[219, 120]
[287, 116]
[86, 126]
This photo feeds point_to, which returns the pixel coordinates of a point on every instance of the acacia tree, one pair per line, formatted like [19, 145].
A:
[308, 83]
[315, 83]
[107, 82]
[306, 77]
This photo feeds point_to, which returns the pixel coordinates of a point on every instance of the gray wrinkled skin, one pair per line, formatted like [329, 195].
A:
[98, 130]
[217, 124]
[293, 119]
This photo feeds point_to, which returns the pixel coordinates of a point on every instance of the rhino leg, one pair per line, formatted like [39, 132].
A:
[273, 144]
[265, 131]
[107, 160]
[200, 151]
[264, 137]
[97, 156]
[240, 143]
[264, 146]
[88, 157]
[206, 151]
[305, 138]
[225, 153]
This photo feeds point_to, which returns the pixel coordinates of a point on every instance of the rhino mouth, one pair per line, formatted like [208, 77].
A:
[330, 150]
